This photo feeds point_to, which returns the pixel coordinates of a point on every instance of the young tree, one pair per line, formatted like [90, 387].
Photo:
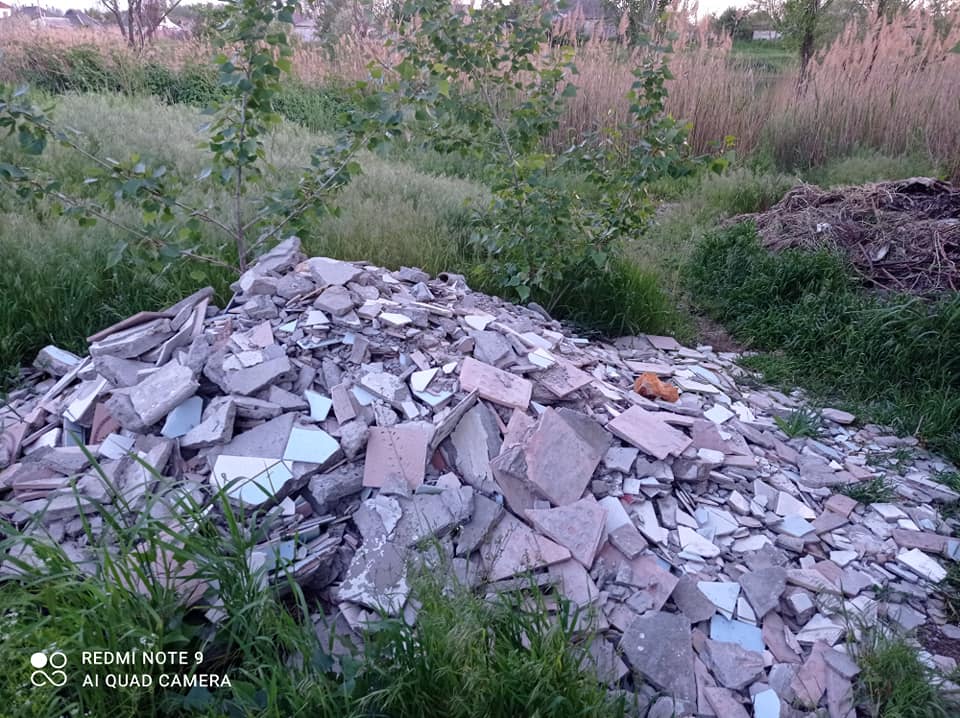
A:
[139, 20]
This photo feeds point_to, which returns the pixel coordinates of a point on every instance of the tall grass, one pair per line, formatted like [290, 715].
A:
[892, 356]
[61, 290]
[891, 87]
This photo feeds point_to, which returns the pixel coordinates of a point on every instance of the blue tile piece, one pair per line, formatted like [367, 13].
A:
[743, 634]
[183, 417]
[311, 445]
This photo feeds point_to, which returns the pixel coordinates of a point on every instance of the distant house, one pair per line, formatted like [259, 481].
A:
[32, 12]
[80, 19]
[592, 18]
[304, 27]
[53, 20]
[5, 10]
[766, 35]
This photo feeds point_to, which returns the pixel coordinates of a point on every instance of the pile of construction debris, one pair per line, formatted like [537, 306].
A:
[901, 236]
[379, 417]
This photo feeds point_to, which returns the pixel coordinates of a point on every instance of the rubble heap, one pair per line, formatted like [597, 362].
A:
[378, 417]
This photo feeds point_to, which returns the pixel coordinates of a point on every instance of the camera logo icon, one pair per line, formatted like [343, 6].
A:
[56, 661]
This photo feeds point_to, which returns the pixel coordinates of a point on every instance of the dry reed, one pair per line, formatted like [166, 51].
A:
[893, 88]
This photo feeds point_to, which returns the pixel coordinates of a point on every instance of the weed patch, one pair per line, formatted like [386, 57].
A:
[893, 681]
[802, 422]
[875, 491]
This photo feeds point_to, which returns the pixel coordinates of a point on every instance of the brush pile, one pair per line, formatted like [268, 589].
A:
[899, 237]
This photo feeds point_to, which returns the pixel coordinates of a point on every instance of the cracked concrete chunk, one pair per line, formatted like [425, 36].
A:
[691, 600]
[251, 380]
[923, 565]
[733, 666]
[55, 361]
[377, 578]
[157, 395]
[562, 453]
[336, 300]
[133, 342]
[725, 702]
[398, 452]
[628, 541]
[216, 427]
[512, 548]
[694, 543]
[486, 513]
[268, 439]
[658, 647]
[562, 379]
[763, 588]
[648, 432]
[723, 594]
[491, 347]
[327, 271]
[475, 441]
[494, 384]
[578, 527]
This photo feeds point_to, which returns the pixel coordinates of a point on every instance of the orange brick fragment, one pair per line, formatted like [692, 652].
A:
[649, 385]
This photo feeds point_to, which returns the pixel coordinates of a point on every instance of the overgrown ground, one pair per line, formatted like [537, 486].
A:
[466, 656]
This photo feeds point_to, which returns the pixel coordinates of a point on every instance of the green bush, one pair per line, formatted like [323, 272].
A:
[192, 85]
[79, 68]
[319, 109]
[895, 355]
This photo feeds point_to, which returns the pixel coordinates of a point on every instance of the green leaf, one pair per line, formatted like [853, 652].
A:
[116, 254]
[31, 142]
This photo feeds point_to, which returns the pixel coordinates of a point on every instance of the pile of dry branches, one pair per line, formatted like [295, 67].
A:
[899, 236]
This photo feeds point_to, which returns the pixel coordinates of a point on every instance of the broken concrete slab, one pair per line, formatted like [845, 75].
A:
[562, 452]
[512, 548]
[216, 427]
[649, 432]
[732, 665]
[494, 384]
[658, 647]
[475, 441]
[763, 588]
[162, 391]
[578, 526]
[397, 452]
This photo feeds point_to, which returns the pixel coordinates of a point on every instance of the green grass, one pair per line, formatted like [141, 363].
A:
[693, 206]
[393, 214]
[767, 56]
[869, 166]
[61, 289]
[465, 656]
[468, 656]
[874, 491]
[892, 358]
[893, 681]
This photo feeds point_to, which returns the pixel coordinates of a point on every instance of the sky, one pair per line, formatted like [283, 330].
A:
[706, 6]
